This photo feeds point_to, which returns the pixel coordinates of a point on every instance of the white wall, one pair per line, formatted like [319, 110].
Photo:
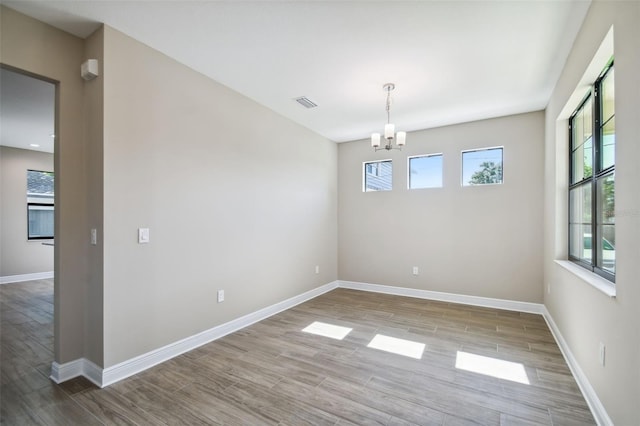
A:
[481, 240]
[584, 315]
[236, 198]
[18, 255]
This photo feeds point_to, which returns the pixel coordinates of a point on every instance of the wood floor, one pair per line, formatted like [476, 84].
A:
[274, 373]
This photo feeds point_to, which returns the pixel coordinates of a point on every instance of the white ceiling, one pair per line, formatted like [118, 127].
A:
[27, 112]
[451, 61]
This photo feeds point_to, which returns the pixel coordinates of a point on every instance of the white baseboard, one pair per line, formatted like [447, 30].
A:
[509, 305]
[79, 367]
[597, 409]
[26, 277]
[104, 377]
[110, 375]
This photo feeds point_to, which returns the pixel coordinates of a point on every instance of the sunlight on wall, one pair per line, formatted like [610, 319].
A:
[493, 367]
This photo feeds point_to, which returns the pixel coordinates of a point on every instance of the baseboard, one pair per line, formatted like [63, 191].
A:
[80, 367]
[509, 305]
[26, 277]
[104, 377]
[597, 409]
[135, 365]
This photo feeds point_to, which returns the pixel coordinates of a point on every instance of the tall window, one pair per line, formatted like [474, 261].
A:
[40, 205]
[377, 176]
[592, 136]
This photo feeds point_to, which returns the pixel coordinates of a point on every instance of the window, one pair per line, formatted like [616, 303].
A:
[425, 171]
[592, 140]
[377, 176]
[40, 205]
[482, 166]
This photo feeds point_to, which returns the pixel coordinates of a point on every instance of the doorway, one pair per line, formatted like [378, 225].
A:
[27, 140]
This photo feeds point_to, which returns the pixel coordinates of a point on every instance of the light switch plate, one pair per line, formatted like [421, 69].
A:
[143, 235]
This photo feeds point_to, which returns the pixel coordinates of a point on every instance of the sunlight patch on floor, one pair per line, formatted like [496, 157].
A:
[513, 371]
[397, 346]
[328, 330]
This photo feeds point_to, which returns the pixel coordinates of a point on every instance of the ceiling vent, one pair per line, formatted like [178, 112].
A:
[306, 102]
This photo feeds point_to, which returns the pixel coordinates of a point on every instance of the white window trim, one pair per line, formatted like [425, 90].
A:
[594, 280]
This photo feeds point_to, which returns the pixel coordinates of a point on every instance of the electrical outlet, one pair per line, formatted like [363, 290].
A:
[94, 236]
[601, 353]
[415, 270]
[317, 269]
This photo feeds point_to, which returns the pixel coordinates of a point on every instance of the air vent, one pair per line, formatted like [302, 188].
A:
[306, 102]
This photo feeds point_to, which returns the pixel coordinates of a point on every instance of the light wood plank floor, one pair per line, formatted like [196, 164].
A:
[274, 373]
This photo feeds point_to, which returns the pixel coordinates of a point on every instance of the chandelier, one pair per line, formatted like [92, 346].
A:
[389, 128]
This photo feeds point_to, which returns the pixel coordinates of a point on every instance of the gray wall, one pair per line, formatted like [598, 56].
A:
[481, 240]
[236, 198]
[93, 121]
[18, 255]
[584, 315]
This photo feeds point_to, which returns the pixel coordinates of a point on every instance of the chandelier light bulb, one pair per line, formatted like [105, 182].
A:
[375, 140]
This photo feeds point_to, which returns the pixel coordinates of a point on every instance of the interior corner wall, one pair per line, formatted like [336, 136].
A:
[93, 120]
[475, 240]
[18, 255]
[34, 47]
[235, 196]
[585, 316]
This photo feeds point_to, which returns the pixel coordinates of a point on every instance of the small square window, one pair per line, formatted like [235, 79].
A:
[425, 171]
[377, 176]
[482, 167]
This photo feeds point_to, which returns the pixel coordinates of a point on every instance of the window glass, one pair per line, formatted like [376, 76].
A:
[582, 143]
[482, 167]
[378, 176]
[40, 217]
[606, 256]
[425, 171]
[608, 152]
[592, 238]
[607, 95]
[580, 222]
[40, 204]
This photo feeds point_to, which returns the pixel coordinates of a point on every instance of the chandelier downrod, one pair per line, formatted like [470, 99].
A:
[389, 128]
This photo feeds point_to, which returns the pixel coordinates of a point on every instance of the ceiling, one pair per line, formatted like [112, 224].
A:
[451, 61]
[27, 112]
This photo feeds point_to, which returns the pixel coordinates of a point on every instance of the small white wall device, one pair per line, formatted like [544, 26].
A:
[89, 69]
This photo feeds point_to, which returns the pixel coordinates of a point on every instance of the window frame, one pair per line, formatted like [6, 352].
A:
[37, 199]
[29, 209]
[411, 157]
[464, 151]
[598, 174]
[364, 175]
